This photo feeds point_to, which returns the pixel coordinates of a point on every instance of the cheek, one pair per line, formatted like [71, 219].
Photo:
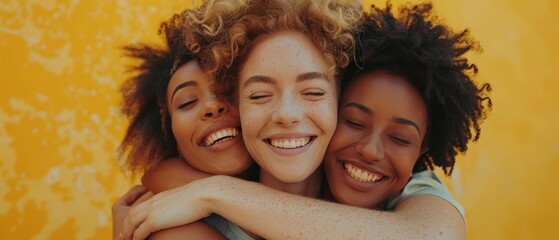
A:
[182, 128]
[325, 114]
[253, 120]
[405, 160]
[342, 138]
[402, 161]
[247, 116]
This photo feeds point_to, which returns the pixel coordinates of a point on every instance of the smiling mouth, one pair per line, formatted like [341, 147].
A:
[361, 175]
[290, 143]
[220, 136]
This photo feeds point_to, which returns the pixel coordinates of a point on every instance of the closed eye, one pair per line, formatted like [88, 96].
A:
[187, 104]
[354, 123]
[400, 141]
[313, 94]
[258, 96]
[318, 94]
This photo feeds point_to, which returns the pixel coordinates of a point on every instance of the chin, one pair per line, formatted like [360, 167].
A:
[348, 199]
[292, 178]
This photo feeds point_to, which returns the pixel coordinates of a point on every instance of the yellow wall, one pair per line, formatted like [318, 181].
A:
[59, 123]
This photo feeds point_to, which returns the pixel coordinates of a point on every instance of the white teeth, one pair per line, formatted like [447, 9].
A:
[361, 175]
[220, 135]
[290, 143]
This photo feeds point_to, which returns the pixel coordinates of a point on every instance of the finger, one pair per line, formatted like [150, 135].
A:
[144, 197]
[124, 199]
[134, 193]
[125, 231]
[143, 231]
[135, 217]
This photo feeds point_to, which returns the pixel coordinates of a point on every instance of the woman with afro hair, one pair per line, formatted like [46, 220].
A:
[409, 104]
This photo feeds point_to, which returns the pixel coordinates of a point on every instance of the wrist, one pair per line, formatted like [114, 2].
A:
[216, 191]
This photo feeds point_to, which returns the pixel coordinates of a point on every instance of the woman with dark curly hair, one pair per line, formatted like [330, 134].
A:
[176, 122]
[410, 63]
[409, 104]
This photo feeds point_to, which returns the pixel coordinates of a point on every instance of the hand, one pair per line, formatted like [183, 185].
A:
[121, 207]
[167, 209]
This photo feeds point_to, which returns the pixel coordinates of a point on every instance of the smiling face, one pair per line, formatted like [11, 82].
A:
[287, 103]
[381, 126]
[206, 128]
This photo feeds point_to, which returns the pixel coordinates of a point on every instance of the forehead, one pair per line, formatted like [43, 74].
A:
[190, 71]
[381, 84]
[382, 90]
[282, 52]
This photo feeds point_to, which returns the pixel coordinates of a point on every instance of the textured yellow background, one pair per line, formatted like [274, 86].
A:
[60, 70]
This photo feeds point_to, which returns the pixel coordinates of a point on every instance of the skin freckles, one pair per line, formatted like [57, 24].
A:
[381, 126]
[205, 126]
[287, 103]
[371, 162]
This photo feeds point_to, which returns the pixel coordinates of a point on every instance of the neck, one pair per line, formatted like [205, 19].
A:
[309, 187]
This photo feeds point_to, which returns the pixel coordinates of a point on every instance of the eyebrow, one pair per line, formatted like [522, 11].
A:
[360, 107]
[398, 120]
[183, 85]
[259, 79]
[407, 122]
[301, 77]
[311, 75]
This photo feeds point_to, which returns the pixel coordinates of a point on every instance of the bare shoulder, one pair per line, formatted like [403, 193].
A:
[170, 173]
[438, 216]
[173, 163]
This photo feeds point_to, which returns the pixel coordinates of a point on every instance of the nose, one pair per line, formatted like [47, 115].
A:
[371, 148]
[288, 112]
[214, 108]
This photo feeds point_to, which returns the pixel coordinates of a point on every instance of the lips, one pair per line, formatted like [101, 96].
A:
[360, 174]
[220, 135]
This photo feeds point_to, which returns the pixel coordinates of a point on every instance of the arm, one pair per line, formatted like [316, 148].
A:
[138, 194]
[253, 207]
[170, 173]
[422, 216]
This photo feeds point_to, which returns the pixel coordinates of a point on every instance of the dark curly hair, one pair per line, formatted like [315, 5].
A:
[429, 55]
[149, 138]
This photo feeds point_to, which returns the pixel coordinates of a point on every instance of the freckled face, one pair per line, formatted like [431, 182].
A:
[381, 126]
[287, 105]
[206, 127]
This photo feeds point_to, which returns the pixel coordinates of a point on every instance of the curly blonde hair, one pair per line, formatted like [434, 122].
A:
[221, 32]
